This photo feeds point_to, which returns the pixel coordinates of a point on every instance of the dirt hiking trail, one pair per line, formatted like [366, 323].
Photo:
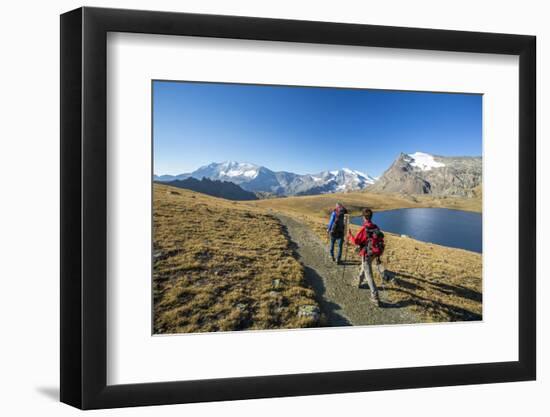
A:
[342, 303]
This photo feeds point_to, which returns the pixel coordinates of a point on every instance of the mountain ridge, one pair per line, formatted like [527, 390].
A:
[215, 188]
[256, 178]
[414, 173]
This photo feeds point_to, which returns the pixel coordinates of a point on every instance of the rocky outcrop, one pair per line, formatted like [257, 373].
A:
[421, 173]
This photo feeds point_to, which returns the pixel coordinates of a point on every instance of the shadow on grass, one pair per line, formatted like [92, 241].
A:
[404, 287]
[458, 290]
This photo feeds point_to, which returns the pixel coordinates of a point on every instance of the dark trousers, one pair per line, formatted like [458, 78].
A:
[340, 241]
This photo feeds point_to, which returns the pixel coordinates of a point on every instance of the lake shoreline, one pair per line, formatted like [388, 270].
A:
[458, 229]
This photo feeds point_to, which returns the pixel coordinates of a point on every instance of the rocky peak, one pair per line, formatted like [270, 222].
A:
[422, 173]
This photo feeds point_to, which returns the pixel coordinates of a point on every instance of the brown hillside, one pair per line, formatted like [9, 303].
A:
[219, 266]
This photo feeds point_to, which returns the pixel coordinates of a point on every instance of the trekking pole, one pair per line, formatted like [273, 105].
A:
[381, 279]
[346, 218]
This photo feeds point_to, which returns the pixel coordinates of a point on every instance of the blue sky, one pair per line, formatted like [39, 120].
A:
[307, 129]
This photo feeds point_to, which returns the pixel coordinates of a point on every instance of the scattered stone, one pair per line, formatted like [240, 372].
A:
[277, 298]
[276, 283]
[158, 255]
[203, 256]
[309, 311]
[241, 306]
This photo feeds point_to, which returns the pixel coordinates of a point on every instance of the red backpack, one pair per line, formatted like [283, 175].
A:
[370, 240]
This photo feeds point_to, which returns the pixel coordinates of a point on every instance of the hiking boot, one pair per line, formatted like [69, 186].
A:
[339, 262]
[333, 258]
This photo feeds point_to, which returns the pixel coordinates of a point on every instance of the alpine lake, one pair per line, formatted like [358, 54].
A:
[446, 227]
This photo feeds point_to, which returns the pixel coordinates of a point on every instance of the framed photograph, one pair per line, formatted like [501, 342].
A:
[257, 208]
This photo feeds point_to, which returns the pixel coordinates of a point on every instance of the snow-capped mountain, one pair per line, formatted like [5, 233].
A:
[257, 178]
[423, 173]
[229, 171]
[414, 173]
[423, 161]
[350, 179]
[235, 172]
[344, 179]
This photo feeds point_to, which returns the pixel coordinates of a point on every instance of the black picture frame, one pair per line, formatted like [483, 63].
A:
[84, 207]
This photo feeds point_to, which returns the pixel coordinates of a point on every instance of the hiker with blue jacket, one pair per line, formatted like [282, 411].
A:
[336, 230]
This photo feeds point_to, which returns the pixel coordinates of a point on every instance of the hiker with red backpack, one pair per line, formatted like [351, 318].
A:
[370, 240]
[336, 230]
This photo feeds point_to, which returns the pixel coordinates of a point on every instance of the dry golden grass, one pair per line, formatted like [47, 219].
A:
[439, 283]
[320, 205]
[220, 266]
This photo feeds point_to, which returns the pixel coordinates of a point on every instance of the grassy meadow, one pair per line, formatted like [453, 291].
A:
[437, 282]
[322, 204]
[220, 265]
[223, 265]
